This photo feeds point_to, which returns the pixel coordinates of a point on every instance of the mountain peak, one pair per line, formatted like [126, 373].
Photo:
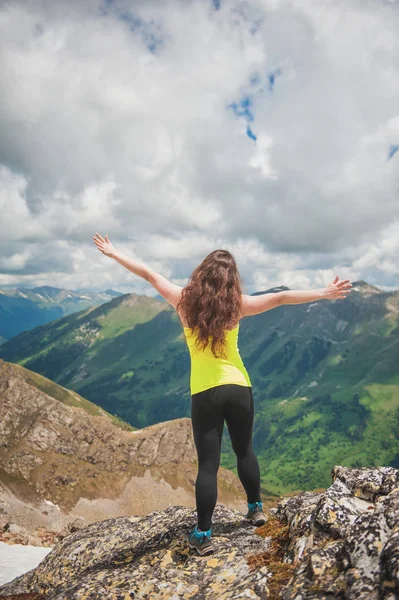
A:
[365, 288]
[278, 288]
[46, 288]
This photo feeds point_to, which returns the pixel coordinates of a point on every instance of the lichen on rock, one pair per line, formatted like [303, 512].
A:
[148, 557]
[341, 543]
[345, 541]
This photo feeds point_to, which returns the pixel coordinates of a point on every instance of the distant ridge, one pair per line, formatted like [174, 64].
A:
[22, 308]
[324, 375]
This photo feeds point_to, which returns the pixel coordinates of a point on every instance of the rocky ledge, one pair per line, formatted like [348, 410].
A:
[340, 543]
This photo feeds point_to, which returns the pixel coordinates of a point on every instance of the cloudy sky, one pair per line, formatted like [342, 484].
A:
[267, 127]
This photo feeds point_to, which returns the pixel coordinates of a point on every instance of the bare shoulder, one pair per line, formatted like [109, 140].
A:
[254, 305]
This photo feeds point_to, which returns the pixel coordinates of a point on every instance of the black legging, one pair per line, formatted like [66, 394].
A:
[209, 409]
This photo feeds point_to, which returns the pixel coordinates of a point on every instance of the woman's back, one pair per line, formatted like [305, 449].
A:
[208, 371]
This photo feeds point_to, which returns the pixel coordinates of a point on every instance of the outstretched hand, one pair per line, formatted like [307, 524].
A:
[104, 245]
[336, 289]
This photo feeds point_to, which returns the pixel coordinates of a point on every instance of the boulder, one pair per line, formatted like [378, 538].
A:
[341, 543]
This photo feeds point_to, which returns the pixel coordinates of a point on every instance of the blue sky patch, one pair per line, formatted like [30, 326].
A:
[250, 16]
[251, 134]
[393, 150]
[149, 31]
[254, 79]
[243, 108]
[272, 78]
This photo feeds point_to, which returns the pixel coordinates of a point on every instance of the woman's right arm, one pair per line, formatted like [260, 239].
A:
[336, 290]
[302, 296]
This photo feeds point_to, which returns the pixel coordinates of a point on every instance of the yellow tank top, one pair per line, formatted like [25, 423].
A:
[208, 371]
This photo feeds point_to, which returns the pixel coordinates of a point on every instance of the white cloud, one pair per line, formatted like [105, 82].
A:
[381, 253]
[120, 123]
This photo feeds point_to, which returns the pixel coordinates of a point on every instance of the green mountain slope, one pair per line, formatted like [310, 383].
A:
[325, 376]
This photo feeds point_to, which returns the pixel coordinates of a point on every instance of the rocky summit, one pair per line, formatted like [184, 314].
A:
[340, 543]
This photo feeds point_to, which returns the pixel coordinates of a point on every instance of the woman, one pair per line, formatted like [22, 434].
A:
[210, 308]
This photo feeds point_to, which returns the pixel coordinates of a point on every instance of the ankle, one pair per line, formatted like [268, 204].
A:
[201, 533]
[253, 505]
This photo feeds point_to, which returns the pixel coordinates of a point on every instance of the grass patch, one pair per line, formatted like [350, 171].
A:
[381, 397]
[272, 558]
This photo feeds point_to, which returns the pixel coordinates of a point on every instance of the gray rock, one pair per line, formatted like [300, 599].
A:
[4, 523]
[148, 557]
[13, 528]
[341, 545]
[349, 538]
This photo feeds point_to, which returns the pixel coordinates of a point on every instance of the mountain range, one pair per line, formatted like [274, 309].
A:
[23, 308]
[325, 376]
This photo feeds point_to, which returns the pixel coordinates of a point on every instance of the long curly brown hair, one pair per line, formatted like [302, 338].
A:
[211, 301]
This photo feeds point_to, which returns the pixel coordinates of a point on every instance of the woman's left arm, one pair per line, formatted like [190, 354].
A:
[168, 290]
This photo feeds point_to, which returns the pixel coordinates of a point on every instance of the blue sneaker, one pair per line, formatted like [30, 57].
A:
[255, 514]
[200, 541]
